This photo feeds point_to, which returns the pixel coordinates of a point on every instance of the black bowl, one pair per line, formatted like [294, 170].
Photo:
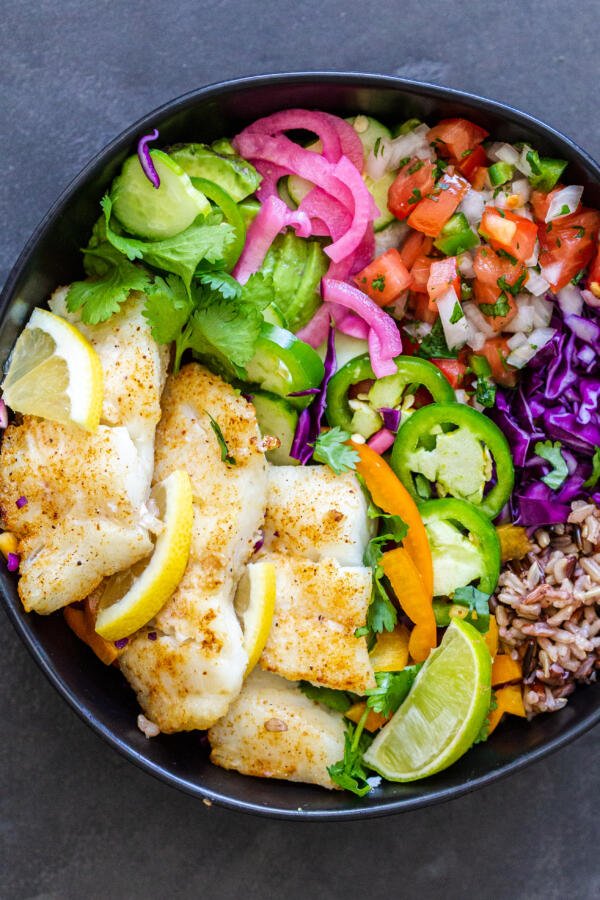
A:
[100, 695]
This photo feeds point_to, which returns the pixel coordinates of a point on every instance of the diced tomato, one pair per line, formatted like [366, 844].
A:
[443, 275]
[471, 162]
[385, 278]
[453, 369]
[593, 279]
[416, 244]
[420, 274]
[478, 179]
[569, 244]
[456, 136]
[540, 202]
[489, 268]
[496, 351]
[414, 181]
[507, 231]
[432, 213]
[422, 309]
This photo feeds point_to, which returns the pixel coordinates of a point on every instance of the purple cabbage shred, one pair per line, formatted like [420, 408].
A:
[145, 158]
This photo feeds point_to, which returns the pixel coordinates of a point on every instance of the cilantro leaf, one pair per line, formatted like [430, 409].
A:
[457, 314]
[225, 455]
[513, 289]
[592, 481]
[259, 290]
[434, 346]
[350, 773]
[500, 308]
[478, 603]
[382, 614]
[338, 700]
[392, 689]
[227, 286]
[552, 453]
[101, 296]
[485, 391]
[395, 527]
[167, 309]
[332, 449]
[206, 239]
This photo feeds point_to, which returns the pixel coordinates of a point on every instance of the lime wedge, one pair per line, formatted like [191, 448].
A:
[443, 713]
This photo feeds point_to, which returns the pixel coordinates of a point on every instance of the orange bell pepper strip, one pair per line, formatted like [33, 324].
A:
[374, 720]
[82, 624]
[390, 653]
[505, 669]
[408, 587]
[391, 496]
[509, 700]
[491, 637]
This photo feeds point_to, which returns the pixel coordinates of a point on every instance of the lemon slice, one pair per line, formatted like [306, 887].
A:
[255, 606]
[54, 372]
[130, 599]
[444, 712]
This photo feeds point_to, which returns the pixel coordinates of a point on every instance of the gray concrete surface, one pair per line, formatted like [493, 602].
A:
[76, 820]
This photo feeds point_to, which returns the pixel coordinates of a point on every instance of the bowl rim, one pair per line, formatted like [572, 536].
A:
[19, 622]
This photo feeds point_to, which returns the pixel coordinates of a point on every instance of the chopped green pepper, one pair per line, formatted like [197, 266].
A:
[545, 171]
[386, 391]
[500, 173]
[456, 236]
[464, 546]
[232, 215]
[456, 460]
[405, 127]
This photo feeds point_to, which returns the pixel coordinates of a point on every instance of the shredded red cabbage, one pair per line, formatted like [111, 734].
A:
[12, 562]
[21, 502]
[391, 418]
[145, 158]
[557, 399]
[122, 642]
[311, 418]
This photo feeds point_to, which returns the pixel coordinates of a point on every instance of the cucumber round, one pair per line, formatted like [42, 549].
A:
[274, 316]
[249, 209]
[283, 364]
[231, 173]
[276, 417]
[379, 192]
[369, 131]
[156, 213]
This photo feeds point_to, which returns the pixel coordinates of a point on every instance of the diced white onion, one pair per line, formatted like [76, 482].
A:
[528, 347]
[456, 333]
[390, 152]
[390, 237]
[522, 163]
[552, 272]
[462, 396]
[533, 259]
[523, 321]
[542, 312]
[477, 320]
[523, 189]
[590, 299]
[517, 340]
[472, 206]
[417, 330]
[465, 265]
[570, 300]
[476, 339]
[535, 284]
[504, 153]
[564, 202]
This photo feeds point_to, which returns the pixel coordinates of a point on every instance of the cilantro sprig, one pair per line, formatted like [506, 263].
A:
[382, 614]
[392, 689]
[350, 773]
[331, 448]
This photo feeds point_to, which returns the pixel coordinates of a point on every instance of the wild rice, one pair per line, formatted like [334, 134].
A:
[547, 607]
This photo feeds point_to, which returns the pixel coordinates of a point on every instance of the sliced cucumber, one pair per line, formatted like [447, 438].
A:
[282, 190]
[297, 188]
[224, 147]
[156, 213]
[276, 417]
[249, 209]
[379, 192]
[297, 266]
[369, 131]
[346, 348]
[366, 421]
[274, 316]
[284, 364]
[232, 173]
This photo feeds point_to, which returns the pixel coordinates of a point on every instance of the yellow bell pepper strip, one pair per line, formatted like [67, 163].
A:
[408, 587]
[491, 637]
[8, 543]
[390, 653]
[390, 495]
[374, 720]
[82, 623]
[505, 669]
[514, 543]
[509, 700]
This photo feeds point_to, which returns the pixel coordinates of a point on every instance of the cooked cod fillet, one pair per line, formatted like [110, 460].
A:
[188, 676]
[318, 608]
[273, 731]
[315, 513]
[86, 493]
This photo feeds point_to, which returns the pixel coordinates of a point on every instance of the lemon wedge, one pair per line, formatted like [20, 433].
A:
[54, 372]
[255, 606]
[130, 599]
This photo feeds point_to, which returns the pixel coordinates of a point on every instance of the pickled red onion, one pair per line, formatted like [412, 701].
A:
[295, 119]
[272, 217]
